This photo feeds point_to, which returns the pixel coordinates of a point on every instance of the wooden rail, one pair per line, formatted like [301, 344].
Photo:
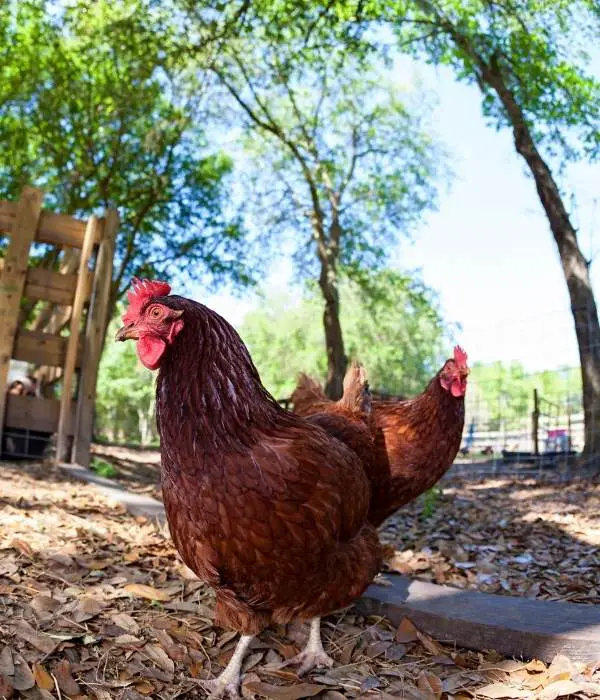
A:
[78, 295]
[520, 627]
[57, 229]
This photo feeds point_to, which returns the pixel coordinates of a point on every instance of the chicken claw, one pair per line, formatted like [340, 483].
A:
[228, 683]
[313, 655]
[217, 688]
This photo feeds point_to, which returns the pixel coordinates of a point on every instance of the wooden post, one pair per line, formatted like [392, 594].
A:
[94, 340]
[12, 280]
[535, 416]
[66, 399]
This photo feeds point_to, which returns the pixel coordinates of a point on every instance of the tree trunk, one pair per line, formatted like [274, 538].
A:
[574, 264]
[334, 341]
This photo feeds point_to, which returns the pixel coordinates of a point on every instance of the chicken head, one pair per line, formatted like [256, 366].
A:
[153, 325]
[453, 376]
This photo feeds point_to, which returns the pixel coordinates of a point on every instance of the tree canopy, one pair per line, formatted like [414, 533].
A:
[96, 110]
[342, 161]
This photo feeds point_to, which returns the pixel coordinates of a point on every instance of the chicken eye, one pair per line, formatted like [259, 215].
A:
[155, 312]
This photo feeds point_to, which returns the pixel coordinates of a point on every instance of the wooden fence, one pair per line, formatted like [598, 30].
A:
[84, 292]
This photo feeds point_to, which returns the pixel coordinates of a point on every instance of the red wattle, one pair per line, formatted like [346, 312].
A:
[458, 388]
[150, 349]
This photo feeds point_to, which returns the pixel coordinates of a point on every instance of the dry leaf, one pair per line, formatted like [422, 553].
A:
[430, 644]
[160, 658]
[430, 684]
[23, 547]
[147, 592]
[144, 688]
[252, 660]
[42, 678]
[370, 683]
[376, 649]
[173, 650]
[42, 642]
[7, 667]
[564, 688]
[126, 622]
[406, 632]
[536, 666]
[23, 677]
[128, 640]
[66, 682]
[561, 669]
[101, 694]
[7, 689]
[284, 692]
[502, 690]
[86, 609]
[43, 604]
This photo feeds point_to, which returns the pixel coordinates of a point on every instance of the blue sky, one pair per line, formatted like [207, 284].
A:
[488, 250]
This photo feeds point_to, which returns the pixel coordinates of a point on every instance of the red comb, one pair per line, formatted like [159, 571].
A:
[460, 357]
[139, 295]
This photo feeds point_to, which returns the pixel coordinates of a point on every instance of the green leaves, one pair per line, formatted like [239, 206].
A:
[392, 323]
[539, 47]
[97, 108]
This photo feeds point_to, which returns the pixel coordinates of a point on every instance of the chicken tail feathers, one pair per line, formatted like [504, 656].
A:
[308, 392]
[357, 395]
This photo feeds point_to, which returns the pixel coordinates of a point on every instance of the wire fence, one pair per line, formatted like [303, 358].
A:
[524, 412]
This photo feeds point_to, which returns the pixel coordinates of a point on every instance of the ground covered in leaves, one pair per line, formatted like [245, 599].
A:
[538, 538]
[96, 604]
[525, 537]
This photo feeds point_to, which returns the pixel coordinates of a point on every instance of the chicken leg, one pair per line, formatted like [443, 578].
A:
[313, 655]
[228, 683]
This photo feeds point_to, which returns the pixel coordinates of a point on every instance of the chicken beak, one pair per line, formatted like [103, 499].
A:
[127, 333]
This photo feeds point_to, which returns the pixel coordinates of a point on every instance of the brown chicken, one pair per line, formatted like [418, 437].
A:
[416, 440]
[268, 508]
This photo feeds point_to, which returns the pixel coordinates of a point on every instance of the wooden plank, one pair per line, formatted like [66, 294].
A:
[48, 285]
[55, 287]
[135, 503]
[26, 412]
[12, 280]
[58, 229]
[518, 627]
[36, 414]
[94, 341]
[43, 349]
[66, 399]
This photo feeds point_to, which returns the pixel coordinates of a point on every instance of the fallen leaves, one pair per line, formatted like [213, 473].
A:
[40, 641]
[284, 692]
[97, 605]
[42, 678]
[544, 544]
[147, 592]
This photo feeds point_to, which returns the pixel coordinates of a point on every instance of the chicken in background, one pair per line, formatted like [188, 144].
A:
[265, 506]
[350, 419]
[416, 440]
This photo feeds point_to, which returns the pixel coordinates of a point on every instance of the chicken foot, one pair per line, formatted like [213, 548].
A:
[313, 655]
[228, 683]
